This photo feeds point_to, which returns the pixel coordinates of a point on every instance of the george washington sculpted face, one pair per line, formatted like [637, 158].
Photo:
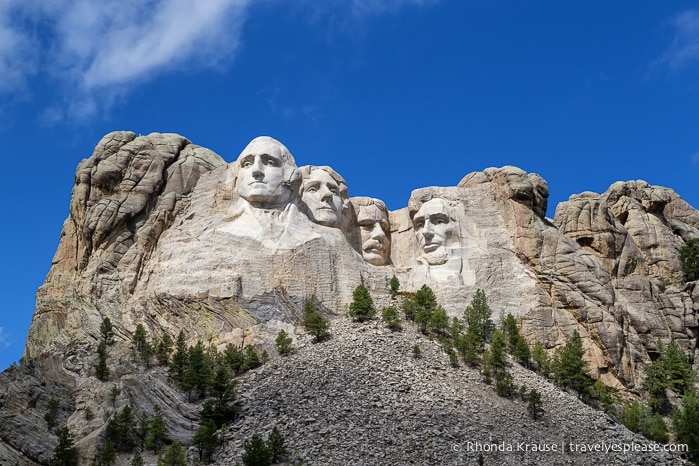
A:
[265, 167]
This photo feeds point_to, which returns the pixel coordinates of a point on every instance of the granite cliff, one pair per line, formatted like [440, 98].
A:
[166, 234]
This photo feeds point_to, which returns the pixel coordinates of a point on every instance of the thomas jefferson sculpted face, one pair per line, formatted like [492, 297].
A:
[374, 230]
[265, 173]
[322, 197]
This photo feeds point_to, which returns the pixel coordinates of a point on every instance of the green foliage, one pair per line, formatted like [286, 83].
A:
[178, 365]
[477, 316]
[394, 284]
[222, 406]
[410, 309]
[497, 364]
[685, 423]
[671, 370]
[362, 306]
[416, 351]
[198, 373]
[639, 417]
[390, 317]
[106, 329]
[283, 342]
[121, 430]
[314, 323]
[51, 415]
[689, 255]
[114, 394]
[65, 453]
[535, 407]
[137, 459]
[569, 367]
[163, 349]
[426, 304]
[157, 431]
[606, 399]
[139, 338]
[516, 344]
[205, 439]
[540, 359]
[108, 454]
[101, 370]
[251, 360]
[277, 446]
[521, 352]
[439, 320]
[256, 452]
[234, 358]
[174, 456]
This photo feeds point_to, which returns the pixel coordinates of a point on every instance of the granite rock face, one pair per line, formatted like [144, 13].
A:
[166, 234]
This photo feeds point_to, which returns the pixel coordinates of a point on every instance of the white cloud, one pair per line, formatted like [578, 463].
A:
[684, 49]
[3, 338]
[374, 7]
[17, 54]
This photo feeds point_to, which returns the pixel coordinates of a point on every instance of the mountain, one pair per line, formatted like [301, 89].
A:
[167, 235]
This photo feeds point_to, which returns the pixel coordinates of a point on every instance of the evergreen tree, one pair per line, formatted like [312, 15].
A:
[252, 360]
[222, 406]
[174, 456]
[314, 323]
[689, 255]
[163, 349]
[439, 320]
[416, 351]
[410, 309]
[511, 331]
[671, 370]
[137, 459]
[139, 340]
[141, 429]
[114, 394]
[535, 407]
[276, 446]
[685, 422]
[394, 284]
[256, 452]
[471, 346]
[283, 342]
[108, 454]
[233, 358]
[126, 423]
[521, 352]
[680, 375]
[65, 453]
[497, 363]
[569, 367]
[51, 415]
[362, 306]
[639, 417]
[426, 303]
[390, 317]
[180, 359]
[101, 370]
[540, 357]
[157, 431]
[106, 330]
[205, 439]
[477, 316]
[198, 373]
[606, 399]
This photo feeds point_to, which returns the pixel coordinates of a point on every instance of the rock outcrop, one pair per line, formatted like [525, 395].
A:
[166, 234]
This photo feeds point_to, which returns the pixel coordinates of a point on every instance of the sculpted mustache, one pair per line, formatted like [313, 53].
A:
[373, 244]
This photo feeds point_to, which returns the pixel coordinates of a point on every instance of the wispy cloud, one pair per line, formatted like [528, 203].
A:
[695, 159]
[684, 49]
[4, 342]
[99, 50]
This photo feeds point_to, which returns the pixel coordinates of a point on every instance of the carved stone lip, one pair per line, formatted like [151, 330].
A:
[431, 247]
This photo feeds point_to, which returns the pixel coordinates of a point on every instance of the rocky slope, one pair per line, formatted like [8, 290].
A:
[156, 235]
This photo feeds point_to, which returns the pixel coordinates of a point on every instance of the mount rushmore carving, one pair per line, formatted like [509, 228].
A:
[165, 233]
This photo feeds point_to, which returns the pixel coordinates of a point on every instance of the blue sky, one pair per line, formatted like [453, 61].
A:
[394, 94]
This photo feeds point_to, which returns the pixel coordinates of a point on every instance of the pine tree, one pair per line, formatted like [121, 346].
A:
[541, 359]
[198, 373]
[174, 456]
[139, 340]
[283, 342]
[163, 349]
[114, 394]
[180, 359]
[314, 323]
[252, 360]
[521, 352]
[65, 453]
[362, 306]
[390, 317]
[205, 439]
[108, 454]
[394, 284]
[157, 431]
[416, 351]
[106, 330]
[101, 370]
[222, 406]
[233, 358]
[51, 415]
[680, 375]
[535, 407]
[477, 316]
[685, 423]
[497, 363]
[689, 255]
[276, 446]
[439, 320]
[256, 452]
[410, 309]
[137, 459]
[569, 367]
[426, 305]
